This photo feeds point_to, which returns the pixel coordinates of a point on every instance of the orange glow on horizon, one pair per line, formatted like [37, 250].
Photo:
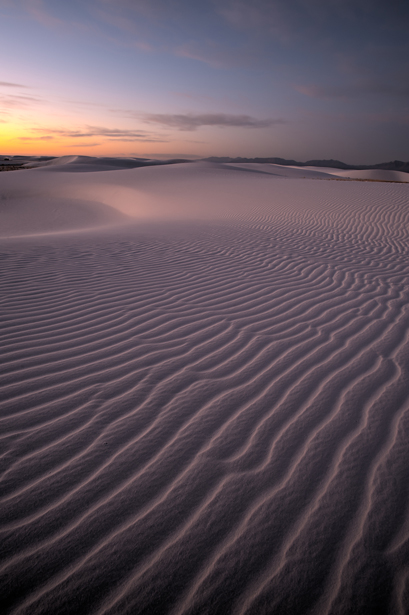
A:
[47, 134]
[17, 139]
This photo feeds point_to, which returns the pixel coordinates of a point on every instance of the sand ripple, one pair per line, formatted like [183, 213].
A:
[211, 418]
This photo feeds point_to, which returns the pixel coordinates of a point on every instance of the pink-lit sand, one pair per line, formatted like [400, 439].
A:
[204, 402]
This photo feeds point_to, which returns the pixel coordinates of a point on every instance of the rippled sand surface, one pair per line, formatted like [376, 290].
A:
[204, 402]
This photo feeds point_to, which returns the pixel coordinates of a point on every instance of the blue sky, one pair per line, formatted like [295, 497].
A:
[298, 79]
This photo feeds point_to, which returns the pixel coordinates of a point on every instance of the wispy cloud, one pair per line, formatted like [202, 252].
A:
[44, 138]
[115, 134]
[353, 90]
[123, 30]
[191, 121]
[84, 145]
[7, 84]
[298, 18]
[14, 101]
[274, 17]
[218, 55]
[53, 138]
[38, 10]
[360, 117]
[212, 57]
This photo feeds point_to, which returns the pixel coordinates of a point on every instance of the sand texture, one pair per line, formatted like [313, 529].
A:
[204, 401]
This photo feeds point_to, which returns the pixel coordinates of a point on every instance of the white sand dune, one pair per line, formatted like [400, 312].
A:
[324, 172]
[364, 174]
[79, 164]
[204, 401]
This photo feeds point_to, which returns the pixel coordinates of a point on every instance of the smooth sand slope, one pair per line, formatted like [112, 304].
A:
[204, 402]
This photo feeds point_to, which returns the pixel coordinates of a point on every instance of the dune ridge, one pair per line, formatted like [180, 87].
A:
[204, 398]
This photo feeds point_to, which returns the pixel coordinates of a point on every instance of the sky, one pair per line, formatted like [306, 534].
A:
[299, 79]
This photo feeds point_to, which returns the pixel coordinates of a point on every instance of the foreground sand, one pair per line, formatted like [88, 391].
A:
[205, 392]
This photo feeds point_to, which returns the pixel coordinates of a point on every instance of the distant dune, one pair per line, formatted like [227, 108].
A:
[89, 163]
[204, 399]
[78, 164]
[395, 165]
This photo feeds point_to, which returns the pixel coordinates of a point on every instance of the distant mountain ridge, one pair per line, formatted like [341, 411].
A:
[395, 165]
[15, 162]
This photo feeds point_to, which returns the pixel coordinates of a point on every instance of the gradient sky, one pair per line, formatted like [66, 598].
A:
[298, 79]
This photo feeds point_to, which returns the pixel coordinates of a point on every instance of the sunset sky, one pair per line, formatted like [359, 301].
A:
[297, 79]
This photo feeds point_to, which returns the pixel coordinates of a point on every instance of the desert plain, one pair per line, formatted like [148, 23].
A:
[204, 399]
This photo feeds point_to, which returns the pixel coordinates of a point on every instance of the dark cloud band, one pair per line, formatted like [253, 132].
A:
[191, 121]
